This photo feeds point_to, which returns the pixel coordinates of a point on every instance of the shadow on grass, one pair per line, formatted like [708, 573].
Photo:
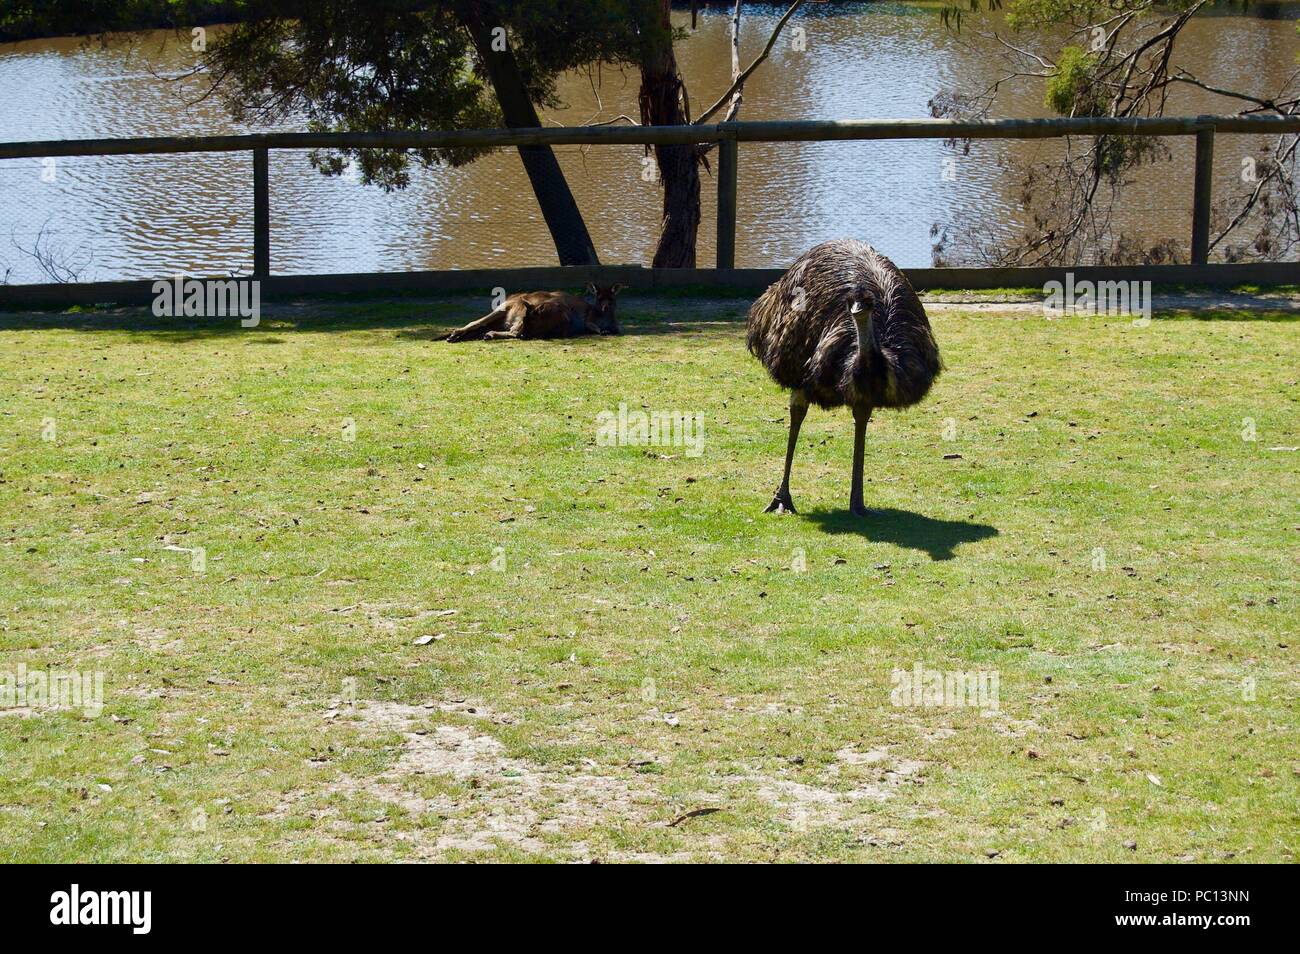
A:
[641, 318]
[278, 317]
[1265, 311]
[903, 528]
[413, 320]
[631, 329]
[425, 320]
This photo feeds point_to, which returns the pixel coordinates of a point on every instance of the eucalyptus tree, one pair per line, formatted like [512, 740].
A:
[361, 65]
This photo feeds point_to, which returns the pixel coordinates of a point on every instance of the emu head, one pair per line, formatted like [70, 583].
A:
[862, 302]
[862, 309]
[603, 300]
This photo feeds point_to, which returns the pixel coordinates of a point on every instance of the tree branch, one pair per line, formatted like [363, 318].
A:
[739, 81]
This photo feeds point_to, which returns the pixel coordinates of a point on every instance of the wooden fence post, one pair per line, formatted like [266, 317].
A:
[261, 214]
[728, 151]
[1201, 196]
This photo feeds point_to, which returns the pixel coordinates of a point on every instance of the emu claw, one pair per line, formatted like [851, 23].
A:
[781, 503]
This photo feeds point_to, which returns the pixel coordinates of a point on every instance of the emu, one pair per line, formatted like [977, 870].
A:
[545, 315]
[843, 327]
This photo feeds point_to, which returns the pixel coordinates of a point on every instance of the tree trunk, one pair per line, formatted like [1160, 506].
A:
[559, 209]
[664, 103]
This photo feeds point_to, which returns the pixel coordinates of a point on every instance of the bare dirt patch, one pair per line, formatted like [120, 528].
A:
[863, 776]
[512, 802]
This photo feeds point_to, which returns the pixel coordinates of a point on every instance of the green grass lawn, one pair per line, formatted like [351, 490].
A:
[630, 661]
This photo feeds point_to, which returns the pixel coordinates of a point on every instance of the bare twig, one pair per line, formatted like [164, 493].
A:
[739, 80]
[57, 265]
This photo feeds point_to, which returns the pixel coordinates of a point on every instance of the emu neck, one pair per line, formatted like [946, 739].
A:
[866, 342]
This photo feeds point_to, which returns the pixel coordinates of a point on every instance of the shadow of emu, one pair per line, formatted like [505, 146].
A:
[905, 529]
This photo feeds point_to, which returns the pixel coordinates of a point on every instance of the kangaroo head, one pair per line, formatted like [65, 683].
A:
[603, 300]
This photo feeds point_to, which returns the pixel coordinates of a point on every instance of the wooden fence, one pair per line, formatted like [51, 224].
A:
[729, 136]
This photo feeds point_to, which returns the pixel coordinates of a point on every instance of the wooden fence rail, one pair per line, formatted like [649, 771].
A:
[727, 135]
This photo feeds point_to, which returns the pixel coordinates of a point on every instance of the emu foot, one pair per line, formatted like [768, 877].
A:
[781, 503]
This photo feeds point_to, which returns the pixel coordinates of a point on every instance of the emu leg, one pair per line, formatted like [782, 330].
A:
[782, 503]
[860, 417]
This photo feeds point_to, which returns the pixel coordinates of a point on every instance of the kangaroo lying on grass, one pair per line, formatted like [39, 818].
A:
[545, 315]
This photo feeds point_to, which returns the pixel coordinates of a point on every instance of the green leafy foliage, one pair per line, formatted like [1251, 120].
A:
[952, 13]
[364, 65]
[1028, 14]
[1068, 89]
[23, 19]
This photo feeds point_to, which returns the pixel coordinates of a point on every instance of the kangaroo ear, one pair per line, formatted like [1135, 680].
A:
[591, 287]
[617, 288]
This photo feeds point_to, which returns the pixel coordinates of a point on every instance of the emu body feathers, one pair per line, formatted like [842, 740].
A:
[802, 330]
